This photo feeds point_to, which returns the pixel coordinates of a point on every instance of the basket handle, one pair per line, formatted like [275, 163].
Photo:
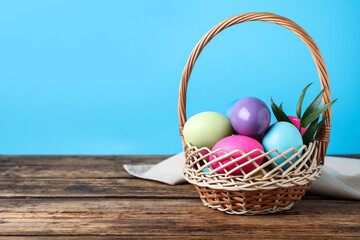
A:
[323, 133]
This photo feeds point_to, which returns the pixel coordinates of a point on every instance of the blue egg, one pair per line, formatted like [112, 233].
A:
[227, 109]
[282, 136]
[207, 170]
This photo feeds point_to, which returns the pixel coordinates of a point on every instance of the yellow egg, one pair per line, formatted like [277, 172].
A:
[207, 128]
[259, 175]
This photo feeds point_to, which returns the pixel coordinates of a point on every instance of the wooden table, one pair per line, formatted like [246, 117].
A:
[92, 197]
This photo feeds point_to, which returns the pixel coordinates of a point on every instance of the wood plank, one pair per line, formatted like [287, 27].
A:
[88, 160]
[88, 188]
[175, 217]
[69, 172]
[138, 204]
[116, 236]
[71, 166]
[93, 188]
[78, 160]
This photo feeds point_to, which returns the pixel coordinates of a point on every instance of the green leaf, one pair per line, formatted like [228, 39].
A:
[310, 132]
[314, 105]
[301, 99]
[281, 107]
[315, 114]
[279, 114]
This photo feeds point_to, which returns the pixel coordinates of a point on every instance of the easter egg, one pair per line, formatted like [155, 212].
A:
[250, 117]
[231, 143]
[206, 128]
[227, 109]
[282, 136]
[207, 170]
[296, 122]
[260, 175]
[203, 153]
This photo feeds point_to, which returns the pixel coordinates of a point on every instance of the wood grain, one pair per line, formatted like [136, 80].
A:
[72, 197]
[179, 217]
[71, 166]
[92, 188]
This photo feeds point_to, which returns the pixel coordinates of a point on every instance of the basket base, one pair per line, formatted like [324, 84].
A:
[252, 202]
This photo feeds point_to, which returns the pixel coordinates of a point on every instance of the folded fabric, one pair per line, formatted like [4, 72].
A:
[167, 171]
[340, 176]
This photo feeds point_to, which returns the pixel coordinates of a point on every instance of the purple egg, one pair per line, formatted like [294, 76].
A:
[250, 117]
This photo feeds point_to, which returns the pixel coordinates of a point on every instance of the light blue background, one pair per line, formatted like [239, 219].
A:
[102, 77]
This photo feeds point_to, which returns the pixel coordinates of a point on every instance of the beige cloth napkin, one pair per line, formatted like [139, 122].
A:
[340, 176]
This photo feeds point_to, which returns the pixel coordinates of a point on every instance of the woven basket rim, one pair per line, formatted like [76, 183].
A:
[304, 150]
[305, 169]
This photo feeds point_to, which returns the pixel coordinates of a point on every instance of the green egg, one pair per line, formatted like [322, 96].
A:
[207, 128]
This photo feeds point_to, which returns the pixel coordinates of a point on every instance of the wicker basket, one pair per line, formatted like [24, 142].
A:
[261, 191]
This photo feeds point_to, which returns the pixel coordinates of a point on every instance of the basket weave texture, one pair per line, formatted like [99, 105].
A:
[269, 187]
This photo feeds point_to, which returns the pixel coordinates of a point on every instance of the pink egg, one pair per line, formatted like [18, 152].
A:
[204, 152]
[235, 142]
[296, 122]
